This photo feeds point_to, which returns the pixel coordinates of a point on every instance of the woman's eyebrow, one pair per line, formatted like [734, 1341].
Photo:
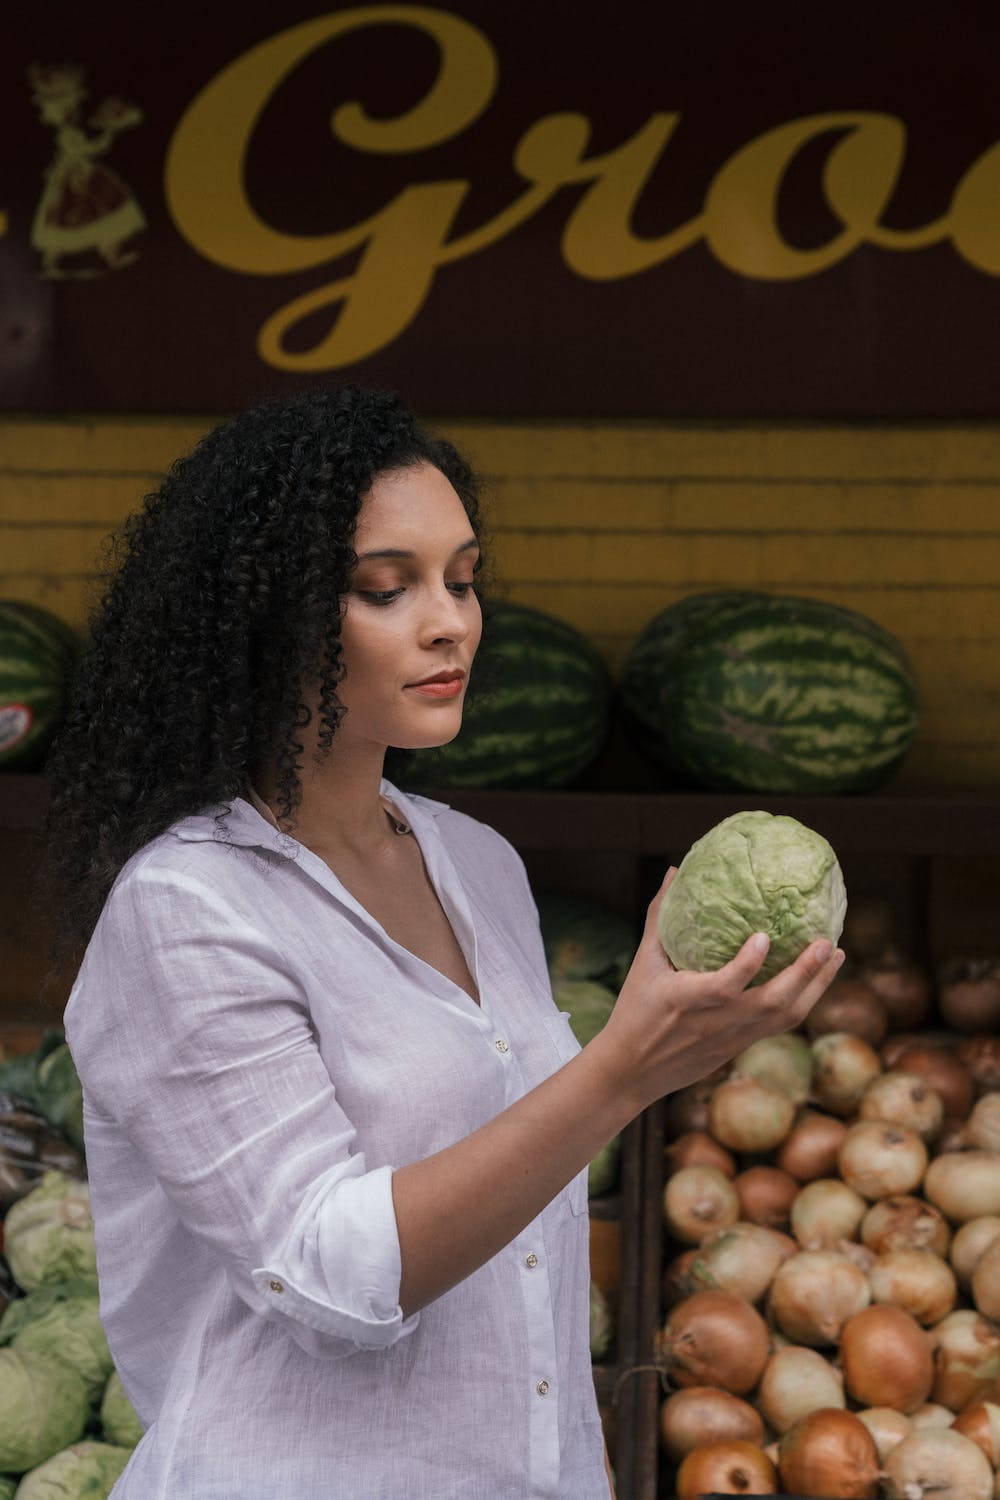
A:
[398, 552]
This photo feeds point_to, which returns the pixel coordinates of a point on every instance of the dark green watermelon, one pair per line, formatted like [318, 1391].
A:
[763, 692]
[543, 720]
[37, 654]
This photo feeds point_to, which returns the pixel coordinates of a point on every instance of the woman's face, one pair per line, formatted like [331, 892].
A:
[430, 622]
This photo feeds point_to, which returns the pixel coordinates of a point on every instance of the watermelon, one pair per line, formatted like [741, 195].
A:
[747, 691]
[584, 939]
[542, 717]
[38, 651]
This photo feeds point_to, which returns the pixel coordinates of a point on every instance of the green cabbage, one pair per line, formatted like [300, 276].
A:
[62, 1321]
[49, 1234]
[60, 1093]
[602, 1172]
[118, 1419]
[7, 1487]
[85, 1471]
[589, 1005]
[43, 1406]
[753, 872]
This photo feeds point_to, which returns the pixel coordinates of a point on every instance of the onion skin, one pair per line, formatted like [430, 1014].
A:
[981, 1056]
[725, 1469]
[844, 1067]
[983, 1128]
[887, 1359]
[849, 1005]
[887, 1427]
[986, 1282]
[830, 1453]
[964, 1184]
[945, 1074]
[903, 1099]
[905, 1223]
[941, 1463]
[881, 1161]
[966, 1360]
[918, 1281]
[741, 1260]
[687, 1109]
[981, 1424]
[971, 1241]
[931, 1415]
[714, 1338]
[810, 1148]
[749, 1115]
[766, 1195]
[697, 1201]
[676, 1283]
[904, 988]
[696, 1148]
[795, 1382]
[700, 1415]
[825, 1212]
[784, 1062]
[814, 1294]
[969, 995]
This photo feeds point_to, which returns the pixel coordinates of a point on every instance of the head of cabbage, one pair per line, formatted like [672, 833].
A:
[753, 872]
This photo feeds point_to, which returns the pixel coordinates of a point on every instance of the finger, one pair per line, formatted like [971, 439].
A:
[747, 962]
[816, 987]
[801, 977]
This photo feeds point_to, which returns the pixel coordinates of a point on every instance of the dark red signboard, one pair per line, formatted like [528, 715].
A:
[504, 210]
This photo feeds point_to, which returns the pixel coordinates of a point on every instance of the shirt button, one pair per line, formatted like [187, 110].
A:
[502, 1045]
[531, 1261]
[276, 1286]
[542, 1387]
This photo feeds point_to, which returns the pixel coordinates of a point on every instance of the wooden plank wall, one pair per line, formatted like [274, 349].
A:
[603, 524]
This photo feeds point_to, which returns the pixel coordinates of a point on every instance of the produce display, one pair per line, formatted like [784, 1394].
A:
[765, 692]
[37, 652]
[831, 1281]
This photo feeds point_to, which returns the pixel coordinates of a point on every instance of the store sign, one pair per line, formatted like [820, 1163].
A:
[415, 196]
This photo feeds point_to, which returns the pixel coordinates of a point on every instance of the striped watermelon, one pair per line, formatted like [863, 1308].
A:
[37, 654]
[545, 719]
[763, 692]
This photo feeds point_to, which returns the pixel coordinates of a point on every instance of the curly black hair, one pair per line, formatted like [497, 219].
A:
[217, 600]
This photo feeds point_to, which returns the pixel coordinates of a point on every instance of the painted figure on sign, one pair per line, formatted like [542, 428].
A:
[84, 206]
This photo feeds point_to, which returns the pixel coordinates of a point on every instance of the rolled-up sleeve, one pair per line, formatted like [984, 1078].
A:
[210, 1067]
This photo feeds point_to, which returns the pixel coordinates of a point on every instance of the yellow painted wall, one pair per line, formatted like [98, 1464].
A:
[605, 523]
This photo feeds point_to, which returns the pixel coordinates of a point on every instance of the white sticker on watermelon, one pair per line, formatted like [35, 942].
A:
[15, 722]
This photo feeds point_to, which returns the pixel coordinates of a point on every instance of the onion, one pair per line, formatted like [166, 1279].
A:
[969, 994]
[714, 1338]
[741, 1260]
[981, 1055]
[981, 1423]
[844, 1067]
[725, 1469]
[966, 1360]
[887, 1427]
[903, 1099]
[784, 1062]
[676, 1281]
[986, 1282]
[698, 1200]
[869, 926]
[696, 1148]
[880, 1161]
[951, 1136]
[917, 1280]
[938, 1462]
[795, 1382]
[814, 1293]
[765, 1195]
[931, 1415]
[825, 1212]
[887, 1358]
[748, 1115]
[904, 988]
[849, 1005]
[905, 1223]
[830, 1452]
[964, 1184]
[971, 1241]
[688, 1109]
[700, 1414]
[983, 1128]
[810, 1148]
[945, 1074]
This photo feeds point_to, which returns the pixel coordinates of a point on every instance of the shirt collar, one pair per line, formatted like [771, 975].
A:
[244, 825]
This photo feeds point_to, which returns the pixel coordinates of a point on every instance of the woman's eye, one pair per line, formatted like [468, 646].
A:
[386, 596]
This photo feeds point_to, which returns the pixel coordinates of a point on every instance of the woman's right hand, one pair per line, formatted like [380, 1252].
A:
[671, 1027]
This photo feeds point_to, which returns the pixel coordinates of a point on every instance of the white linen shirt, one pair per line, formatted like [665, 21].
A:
[257, 1056]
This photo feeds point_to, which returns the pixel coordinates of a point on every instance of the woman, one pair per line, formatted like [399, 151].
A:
[337, 1131]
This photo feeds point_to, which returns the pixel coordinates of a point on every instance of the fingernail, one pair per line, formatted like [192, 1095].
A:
[838, 957]
[761, 942]
[823, 951]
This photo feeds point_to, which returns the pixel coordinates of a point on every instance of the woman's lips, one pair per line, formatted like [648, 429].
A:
[437, 689]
